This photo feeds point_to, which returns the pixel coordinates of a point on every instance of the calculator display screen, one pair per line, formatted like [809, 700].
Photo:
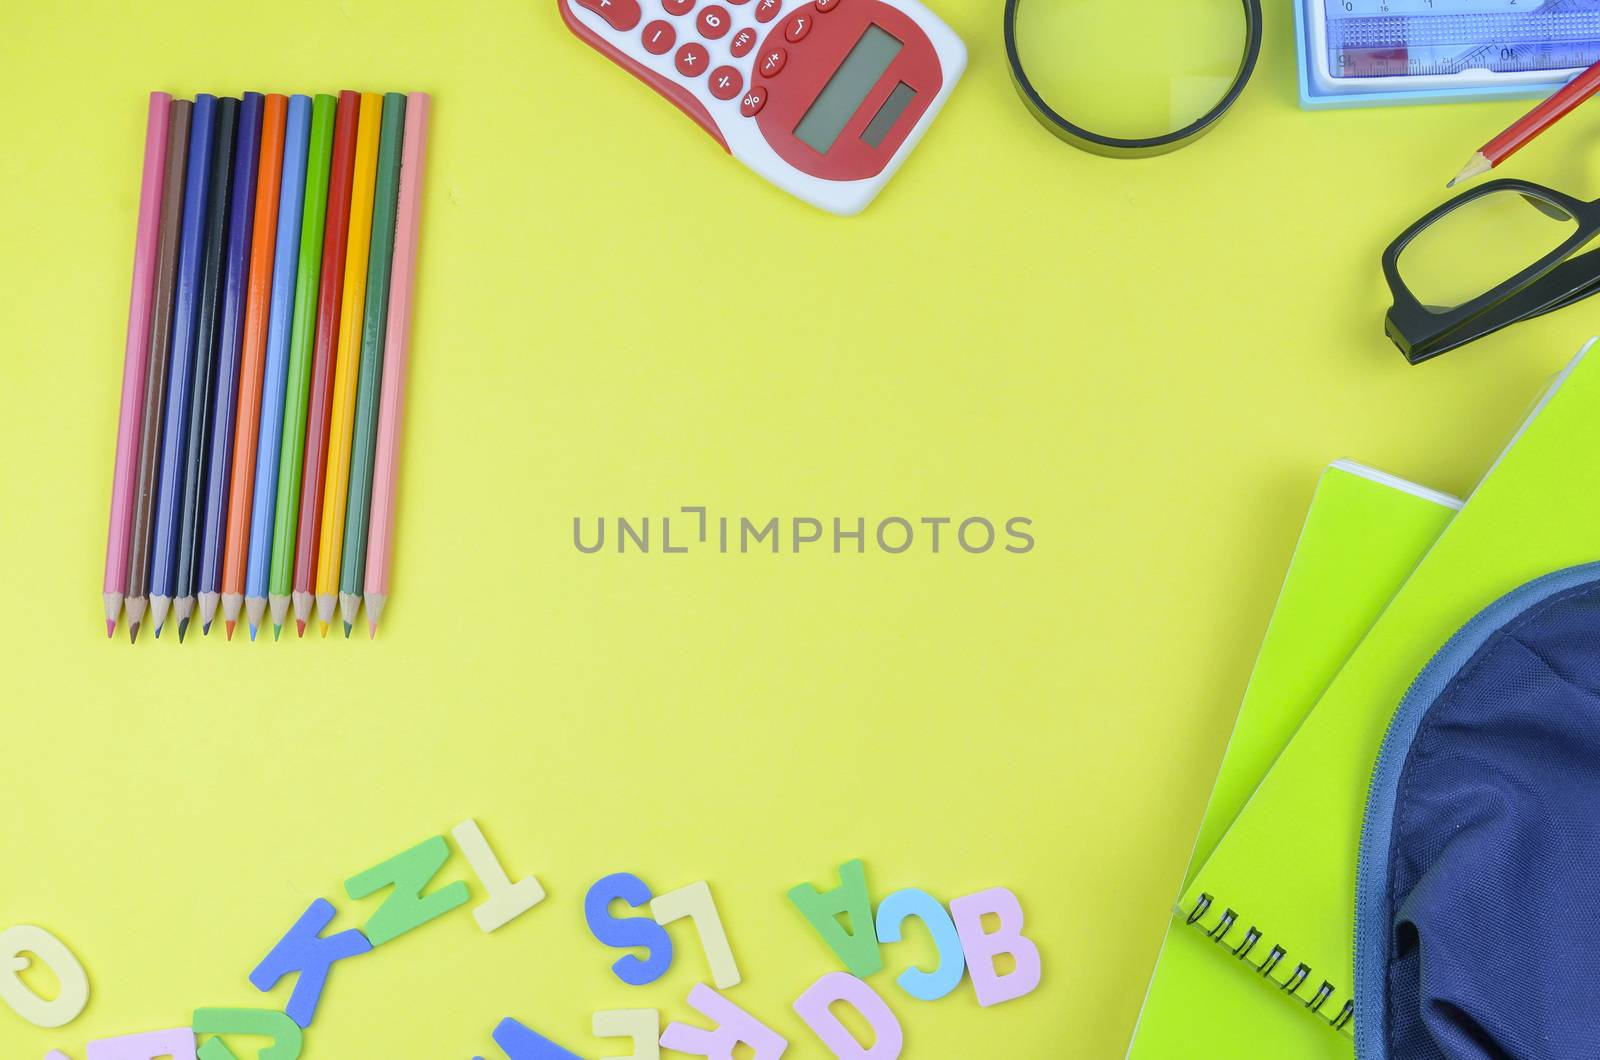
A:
[845, 91]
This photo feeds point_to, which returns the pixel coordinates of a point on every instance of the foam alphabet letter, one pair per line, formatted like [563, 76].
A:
[643, 1025]
[152, 1045]
[303, 950]
[623, 932]
[981, 948]
[286, 1035]
[902, 906]
[73, 994]
[507, 900]
[887, 1037]
[734, 1026]
[407, 907]
[520, 1043]
[695, 902]
[855, 944]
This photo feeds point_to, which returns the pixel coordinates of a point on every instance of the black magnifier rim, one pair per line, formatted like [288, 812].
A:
[1124, 147]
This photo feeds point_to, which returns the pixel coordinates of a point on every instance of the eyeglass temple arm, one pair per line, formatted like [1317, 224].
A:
[1572, 281]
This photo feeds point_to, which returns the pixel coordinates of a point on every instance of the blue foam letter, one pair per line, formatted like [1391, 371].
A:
[625, 932]
[901, 906]
[303, 950]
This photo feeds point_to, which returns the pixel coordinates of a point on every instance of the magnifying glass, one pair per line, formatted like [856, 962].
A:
[1130, 78]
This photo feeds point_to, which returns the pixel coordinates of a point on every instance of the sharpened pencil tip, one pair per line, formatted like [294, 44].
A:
[183, 627]
[300, 627]
[205, 630]
[133, 633]
[347, 631]
[158, 632]
[111, 628]
[252, 632]
[325, 631]
[372, 631]
[277, 631]
[230, 624]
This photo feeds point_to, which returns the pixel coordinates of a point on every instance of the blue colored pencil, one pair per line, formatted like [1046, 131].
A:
[241, 213]
[285, 264]
[185, 324]
[202, 394]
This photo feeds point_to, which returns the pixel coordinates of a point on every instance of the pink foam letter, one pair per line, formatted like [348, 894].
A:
[981, 947]
[734, 1026]
[813, 1007]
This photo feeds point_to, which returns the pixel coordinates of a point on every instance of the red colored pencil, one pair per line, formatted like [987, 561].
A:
[1531, 124]
[315, 464]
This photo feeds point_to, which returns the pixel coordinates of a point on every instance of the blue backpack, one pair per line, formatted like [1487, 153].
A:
[1478, 891]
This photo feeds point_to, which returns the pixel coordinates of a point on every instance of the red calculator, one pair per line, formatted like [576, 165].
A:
[824, 98]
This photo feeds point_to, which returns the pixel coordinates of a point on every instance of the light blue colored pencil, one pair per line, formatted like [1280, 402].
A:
[285, 263]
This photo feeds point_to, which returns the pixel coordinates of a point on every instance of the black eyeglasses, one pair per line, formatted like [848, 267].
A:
[1500, 253]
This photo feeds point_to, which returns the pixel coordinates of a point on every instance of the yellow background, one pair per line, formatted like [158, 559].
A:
[1150, 359]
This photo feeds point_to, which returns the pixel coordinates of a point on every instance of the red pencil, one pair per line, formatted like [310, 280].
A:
[314, 469]
[1531, 124]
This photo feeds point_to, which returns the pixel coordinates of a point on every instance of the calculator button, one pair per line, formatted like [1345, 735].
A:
[726, 82]
[797, 28]
[620, 14]
[738, 1]
[742, 42]
[659, 37]
[767, 10]
[713, 22]
[772, 62]
[753, 101]
[691, 59]
[677, 7]
[826, 5]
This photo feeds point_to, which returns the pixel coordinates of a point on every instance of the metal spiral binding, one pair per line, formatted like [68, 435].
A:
[1301, 974]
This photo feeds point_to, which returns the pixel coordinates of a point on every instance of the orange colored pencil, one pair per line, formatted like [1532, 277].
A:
[264, 242]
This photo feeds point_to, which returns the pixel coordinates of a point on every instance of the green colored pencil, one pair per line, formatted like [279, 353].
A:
[302, 334]
[363, 446]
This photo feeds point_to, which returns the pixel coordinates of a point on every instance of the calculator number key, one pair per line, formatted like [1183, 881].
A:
[619, 14]
[677, 7]
[713, 22]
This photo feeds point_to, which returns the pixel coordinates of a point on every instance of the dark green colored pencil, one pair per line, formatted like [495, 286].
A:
[369, 383]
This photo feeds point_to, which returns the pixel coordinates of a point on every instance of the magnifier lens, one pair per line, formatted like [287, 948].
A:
[1127, 69]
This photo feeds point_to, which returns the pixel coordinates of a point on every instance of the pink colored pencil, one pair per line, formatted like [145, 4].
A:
[136, 357]
[397, 343]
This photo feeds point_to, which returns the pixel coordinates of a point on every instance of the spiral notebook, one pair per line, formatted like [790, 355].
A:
[1364, 533]
[1276, 897]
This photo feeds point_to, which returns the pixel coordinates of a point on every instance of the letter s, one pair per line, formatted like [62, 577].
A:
[626, 932]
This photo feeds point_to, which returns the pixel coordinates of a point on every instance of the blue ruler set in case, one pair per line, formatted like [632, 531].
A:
[1364, 53]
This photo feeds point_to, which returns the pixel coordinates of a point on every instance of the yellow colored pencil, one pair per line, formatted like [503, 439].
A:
[336, 487]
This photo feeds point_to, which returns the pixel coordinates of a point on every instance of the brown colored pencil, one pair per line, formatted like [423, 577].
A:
[156, 370]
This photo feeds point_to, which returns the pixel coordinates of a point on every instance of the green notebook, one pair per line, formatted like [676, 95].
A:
[1276, 896]
[1363, 535]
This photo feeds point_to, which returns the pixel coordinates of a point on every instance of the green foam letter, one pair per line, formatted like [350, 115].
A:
[857, 944]
[407, 907]
[284, 1032]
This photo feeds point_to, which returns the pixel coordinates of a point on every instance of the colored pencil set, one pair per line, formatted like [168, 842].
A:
[264, 383]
